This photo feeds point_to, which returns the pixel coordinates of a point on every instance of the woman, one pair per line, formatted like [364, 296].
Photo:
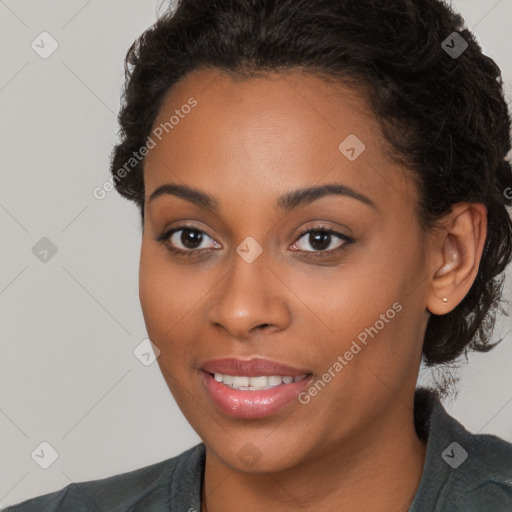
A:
[323, 190]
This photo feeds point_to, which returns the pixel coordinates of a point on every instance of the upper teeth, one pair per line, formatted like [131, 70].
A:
[255, 383]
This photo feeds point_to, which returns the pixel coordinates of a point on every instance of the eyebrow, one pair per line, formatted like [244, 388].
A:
[286, 202]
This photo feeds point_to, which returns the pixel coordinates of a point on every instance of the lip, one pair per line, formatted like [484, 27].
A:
[254, 367]
[252, 404]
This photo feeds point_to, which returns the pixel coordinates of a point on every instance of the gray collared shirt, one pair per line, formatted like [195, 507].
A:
[463, 472]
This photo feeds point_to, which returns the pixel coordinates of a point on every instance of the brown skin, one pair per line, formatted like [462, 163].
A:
[247, 142]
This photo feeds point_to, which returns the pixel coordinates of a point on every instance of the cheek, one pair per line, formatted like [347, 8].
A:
[341, 301]
[173, 304]
[166, 291]
[162, 299]
[164, 312]
[364, 312]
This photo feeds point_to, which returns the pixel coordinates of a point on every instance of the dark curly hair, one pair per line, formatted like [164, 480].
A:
[444, 115]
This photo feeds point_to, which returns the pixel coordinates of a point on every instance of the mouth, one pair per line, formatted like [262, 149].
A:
[257, 383]
[252, 389]
[253, 367]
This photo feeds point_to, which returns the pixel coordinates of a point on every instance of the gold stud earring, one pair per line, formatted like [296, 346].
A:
[445, 300]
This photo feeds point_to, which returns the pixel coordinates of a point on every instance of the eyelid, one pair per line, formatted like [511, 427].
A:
[326, 229]
[322, 226]
[165, 236]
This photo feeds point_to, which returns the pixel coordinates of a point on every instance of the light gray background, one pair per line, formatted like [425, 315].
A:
[69, 326]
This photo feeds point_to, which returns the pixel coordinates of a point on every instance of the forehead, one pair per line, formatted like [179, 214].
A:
[249, 138]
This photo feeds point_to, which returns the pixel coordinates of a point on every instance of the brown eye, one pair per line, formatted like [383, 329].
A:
[186, 240]
[189, 238]
[321, 240]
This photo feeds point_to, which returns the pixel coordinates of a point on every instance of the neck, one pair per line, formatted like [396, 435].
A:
[377, 469]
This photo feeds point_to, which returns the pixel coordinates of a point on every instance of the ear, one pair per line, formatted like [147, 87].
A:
[456, 255]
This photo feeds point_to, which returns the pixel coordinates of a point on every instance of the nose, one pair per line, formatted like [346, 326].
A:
[248, 299]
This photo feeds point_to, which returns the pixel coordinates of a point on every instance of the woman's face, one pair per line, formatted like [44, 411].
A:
[256, 285]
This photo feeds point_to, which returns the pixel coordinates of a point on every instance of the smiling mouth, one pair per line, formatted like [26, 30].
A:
[257, 383]
[241, 399]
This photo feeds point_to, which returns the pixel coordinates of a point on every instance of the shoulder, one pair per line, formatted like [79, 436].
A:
[463, 471]
[149, 488]
[484, 481]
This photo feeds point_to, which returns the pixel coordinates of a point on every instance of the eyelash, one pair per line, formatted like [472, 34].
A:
[166, 235]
